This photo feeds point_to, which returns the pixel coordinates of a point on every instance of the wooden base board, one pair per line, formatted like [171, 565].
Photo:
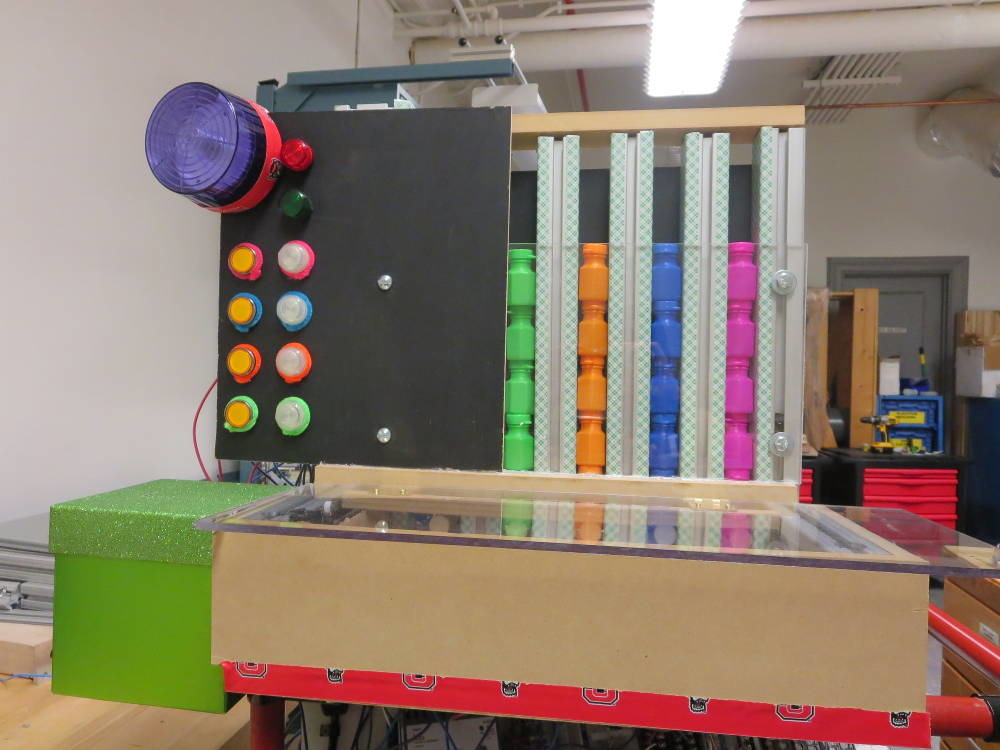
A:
[331, 474]
[24, 648]
[32, 718]
[762, 633]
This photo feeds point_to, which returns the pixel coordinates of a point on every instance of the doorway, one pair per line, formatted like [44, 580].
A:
[919, 298]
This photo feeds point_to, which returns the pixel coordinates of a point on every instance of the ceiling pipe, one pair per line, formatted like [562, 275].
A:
[499, 26]
[493, 8]
[799, 7]
[818, 35]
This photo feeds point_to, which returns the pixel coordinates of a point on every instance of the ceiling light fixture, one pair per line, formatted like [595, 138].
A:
[689, 45]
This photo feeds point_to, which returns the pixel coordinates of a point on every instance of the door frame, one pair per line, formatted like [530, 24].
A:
[955, 271]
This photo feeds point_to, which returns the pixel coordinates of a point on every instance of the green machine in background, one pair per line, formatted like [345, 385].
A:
[133, 593]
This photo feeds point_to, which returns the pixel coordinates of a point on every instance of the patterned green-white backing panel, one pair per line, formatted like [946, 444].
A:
[614, 425]
[717, 312]
[543, 308]
[570, 303]
[691, 213]
[643, 301]
[765, 157]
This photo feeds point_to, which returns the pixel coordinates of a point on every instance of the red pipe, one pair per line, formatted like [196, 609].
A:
[267, 723]
[949, 629]
[952, 716]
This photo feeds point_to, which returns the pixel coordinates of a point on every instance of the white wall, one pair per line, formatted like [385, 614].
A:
[110, 282]
[870, 191]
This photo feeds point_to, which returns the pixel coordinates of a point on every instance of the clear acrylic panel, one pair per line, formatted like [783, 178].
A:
[822, 536]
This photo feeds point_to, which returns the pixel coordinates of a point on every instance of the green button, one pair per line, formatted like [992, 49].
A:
[296, 204]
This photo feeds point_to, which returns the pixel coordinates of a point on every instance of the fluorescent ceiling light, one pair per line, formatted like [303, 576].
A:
[689, 45]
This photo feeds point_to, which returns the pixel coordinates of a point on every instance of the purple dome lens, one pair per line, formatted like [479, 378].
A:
[205, 143]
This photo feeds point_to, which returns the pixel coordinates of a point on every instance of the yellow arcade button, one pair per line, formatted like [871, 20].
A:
[242, 259]
[242, 310]
[238, 414]
[240, 361]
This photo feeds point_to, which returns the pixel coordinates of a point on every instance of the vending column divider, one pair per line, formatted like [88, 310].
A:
[642, 293]
[718, 305]
[794, 304]
[543, 303]
[691, 223]
[765, 175]
[569, 303]
[617, 212]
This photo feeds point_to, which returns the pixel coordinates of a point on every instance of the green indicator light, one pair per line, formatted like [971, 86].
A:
[296, 205]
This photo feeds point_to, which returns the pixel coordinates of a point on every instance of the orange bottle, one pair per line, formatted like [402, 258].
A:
[588, 521]
[591, 384]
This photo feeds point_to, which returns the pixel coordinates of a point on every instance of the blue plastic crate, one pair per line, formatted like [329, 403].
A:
[923, 411]
[918, 417]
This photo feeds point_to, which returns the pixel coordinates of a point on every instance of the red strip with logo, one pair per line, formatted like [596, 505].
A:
[552, 702]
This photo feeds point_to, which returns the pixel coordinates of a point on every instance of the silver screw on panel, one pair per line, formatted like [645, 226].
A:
[384, 435]
[783, 282]
[384, 282]
[781, 444]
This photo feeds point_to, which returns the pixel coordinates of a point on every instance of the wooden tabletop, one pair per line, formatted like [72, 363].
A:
[32, 718]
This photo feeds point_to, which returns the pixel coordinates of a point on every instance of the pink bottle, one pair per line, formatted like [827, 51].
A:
[741, 331]
[741, 342]
[739, 407]
[736, 530]
[742, 272]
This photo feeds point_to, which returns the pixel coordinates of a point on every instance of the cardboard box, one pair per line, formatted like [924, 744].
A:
[986, 590]
[972, 613]
[974, 376]
[630, 623]
[978, 328]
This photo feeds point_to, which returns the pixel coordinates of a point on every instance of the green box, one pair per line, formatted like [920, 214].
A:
[133, 592]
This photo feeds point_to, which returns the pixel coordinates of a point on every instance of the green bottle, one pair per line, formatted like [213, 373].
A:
[520, 278]
[518, 444]
[516, 517]
[519, 390]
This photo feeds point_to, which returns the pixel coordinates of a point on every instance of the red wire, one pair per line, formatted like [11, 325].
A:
[218, 466]
[194, 432]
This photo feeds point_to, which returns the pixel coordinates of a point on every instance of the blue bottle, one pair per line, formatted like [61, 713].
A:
[666, 331]
[664, 447]
[666, 271]
[664, 388]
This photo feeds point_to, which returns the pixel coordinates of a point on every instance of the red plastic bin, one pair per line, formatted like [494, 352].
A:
[806, 487]
[911, 482]
[922, 506]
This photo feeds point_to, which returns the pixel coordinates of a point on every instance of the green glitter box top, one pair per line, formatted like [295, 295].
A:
[149, 521]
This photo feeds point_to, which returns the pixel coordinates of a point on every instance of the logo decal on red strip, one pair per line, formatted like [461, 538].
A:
[419, 682]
